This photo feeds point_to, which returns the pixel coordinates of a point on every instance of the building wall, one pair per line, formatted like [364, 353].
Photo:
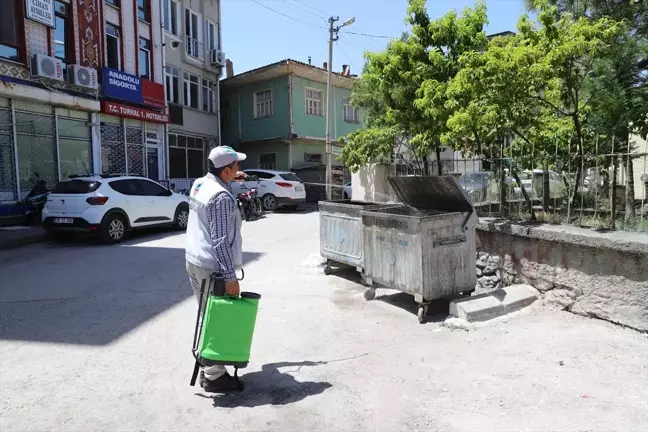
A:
[242, 107]
[315, 126]
[253, 150]
[300, 149]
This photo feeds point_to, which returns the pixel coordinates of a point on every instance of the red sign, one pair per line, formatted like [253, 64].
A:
[134, 113]
[152, 93]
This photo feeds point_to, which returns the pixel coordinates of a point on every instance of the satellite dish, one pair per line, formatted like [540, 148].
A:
[644, 178]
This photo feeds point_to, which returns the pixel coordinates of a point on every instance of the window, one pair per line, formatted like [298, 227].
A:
[171, 16]
[125, 187]
[268, 161]
[314, 100]
[172, 77]
[62, 45]
[149, 188]
[208, 96]
[211, 36]
[186, 156]
[113, 2]
[142, 10]
[290, 177]
[263, 104]
[225, 113]
[351, 113]
[313, 158]
[144, 58]
[191, 90]
[194, 46]
[9, 38]
[113, 45]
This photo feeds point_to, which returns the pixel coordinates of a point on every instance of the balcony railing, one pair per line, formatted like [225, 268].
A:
[194, 48]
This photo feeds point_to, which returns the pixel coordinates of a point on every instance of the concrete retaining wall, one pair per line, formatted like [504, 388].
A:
[602, 275]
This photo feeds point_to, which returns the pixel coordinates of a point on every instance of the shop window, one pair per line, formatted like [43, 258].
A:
[36, 143]
[74, 147]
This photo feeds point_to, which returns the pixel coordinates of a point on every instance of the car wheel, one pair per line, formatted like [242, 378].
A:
[269, 202]
[113, 229]
[182, 217]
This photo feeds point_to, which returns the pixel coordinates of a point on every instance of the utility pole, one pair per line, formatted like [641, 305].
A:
[333, 31]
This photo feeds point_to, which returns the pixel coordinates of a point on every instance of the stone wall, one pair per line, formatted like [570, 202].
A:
[588, 273]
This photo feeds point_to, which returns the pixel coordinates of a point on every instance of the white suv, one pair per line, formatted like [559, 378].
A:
[111, 205]
[275, 188]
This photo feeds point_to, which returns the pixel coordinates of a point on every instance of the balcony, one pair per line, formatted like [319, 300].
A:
[194, 48]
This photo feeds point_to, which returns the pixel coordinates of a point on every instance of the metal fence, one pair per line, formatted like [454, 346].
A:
[605, 189]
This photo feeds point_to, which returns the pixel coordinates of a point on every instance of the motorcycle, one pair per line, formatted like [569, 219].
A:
[35, 200]
[257, 206]
[245, 205]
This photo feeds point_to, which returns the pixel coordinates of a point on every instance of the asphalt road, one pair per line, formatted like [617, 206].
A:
[97, 338]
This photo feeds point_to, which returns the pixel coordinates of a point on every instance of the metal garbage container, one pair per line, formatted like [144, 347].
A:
[425, 248]
[341, 237]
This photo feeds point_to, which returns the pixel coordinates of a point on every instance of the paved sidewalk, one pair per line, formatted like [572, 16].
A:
[18, 235]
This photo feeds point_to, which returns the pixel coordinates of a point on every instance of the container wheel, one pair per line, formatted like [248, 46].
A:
[327, 269]
[369, 294]
[422, 313]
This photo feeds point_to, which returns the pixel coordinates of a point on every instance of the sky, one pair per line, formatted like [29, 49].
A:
[259, 32]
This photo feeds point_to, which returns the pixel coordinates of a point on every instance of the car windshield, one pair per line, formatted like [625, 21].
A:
[289, 177]
[473, 179]
[76, 187]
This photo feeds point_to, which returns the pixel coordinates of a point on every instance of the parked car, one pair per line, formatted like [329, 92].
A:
[111, 205]
[534, 184]
[481, 187]
[348, 191]
[276, 188]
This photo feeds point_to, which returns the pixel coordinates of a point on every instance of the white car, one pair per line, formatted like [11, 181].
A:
[348, 191]
[111, 205]
[275, 188]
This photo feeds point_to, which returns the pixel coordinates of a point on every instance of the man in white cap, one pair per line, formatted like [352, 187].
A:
[214, 241]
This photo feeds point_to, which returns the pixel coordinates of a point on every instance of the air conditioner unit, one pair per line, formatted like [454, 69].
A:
[43, 66]
[82, 76]
[217, 57]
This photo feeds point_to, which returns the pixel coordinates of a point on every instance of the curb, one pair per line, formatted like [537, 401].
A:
[500, 302]
[6, 244]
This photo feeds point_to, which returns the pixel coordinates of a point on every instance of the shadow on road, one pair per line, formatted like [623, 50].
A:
[90, 295]
[270, 386]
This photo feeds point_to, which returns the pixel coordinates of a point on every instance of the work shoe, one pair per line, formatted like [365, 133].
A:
[222, 384]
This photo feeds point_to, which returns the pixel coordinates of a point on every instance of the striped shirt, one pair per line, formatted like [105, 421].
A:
[219, 215]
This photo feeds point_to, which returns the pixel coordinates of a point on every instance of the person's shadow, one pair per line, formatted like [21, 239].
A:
[270, 386]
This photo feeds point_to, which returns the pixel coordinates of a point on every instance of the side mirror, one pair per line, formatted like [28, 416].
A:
[169, 192]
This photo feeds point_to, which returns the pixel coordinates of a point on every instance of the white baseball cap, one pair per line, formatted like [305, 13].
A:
[224, 155]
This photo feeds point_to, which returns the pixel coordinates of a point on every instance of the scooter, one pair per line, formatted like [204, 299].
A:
[256, 201]
[35, 201]
[245, 205]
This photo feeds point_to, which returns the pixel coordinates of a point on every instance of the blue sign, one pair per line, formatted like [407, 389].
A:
[116, 84]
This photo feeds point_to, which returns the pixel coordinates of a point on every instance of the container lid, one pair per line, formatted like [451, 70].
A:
[250, 295]
[431, 193]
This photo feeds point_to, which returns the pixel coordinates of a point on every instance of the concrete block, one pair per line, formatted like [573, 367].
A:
[516, 297]
[478, 308]
[495, 304]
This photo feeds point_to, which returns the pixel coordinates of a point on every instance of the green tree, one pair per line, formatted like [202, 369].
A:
[397, 85]
[535, 84]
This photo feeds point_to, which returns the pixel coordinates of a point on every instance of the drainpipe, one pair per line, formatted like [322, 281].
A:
[292, 124]
[218, 95]
[165, 134]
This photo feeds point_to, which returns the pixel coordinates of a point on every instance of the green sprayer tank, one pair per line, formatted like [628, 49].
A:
[224, 334]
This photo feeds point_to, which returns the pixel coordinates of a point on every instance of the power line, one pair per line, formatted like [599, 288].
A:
[370, 35]
[299, 9]
[287, 16]
[346, 55]
[310, 9]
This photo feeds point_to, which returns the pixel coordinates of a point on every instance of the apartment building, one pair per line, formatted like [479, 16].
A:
[193, 63]
[81, 91]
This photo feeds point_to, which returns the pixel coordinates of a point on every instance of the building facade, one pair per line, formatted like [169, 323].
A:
[193, 63]
[277, 115]
[81, 91]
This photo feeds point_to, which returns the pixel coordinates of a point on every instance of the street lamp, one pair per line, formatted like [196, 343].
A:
[333, 31]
